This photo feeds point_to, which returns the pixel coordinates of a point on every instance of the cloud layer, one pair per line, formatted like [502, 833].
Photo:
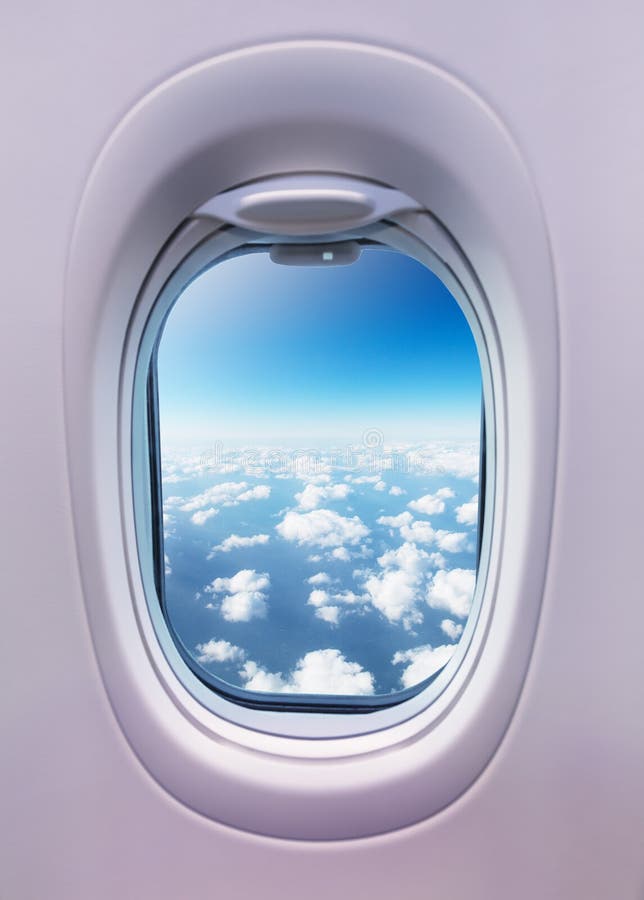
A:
[432, 504]
[321, 528]
[452, 591]
[236, 541]
[230, 493]
[318, 672]
[218, 652]
[291, 558]
[244, 595]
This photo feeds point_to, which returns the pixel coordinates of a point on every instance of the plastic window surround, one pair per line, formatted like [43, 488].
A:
[444, 145]
[264, 700]
[258, 711]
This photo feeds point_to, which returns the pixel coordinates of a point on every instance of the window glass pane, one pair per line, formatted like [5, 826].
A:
[320, 451]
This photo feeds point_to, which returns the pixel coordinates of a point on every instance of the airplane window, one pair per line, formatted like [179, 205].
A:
[317, 429]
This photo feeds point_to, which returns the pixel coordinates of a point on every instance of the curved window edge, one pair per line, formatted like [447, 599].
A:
[257, 710]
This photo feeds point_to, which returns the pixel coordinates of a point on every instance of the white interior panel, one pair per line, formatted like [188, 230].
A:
[389, 776]
[558, 811]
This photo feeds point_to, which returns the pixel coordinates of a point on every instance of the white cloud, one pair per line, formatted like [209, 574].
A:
[328, 614]
[451, 629]
[362, 479]
[431, 504]
[319, 598]
[219, 651]
[314, 495]
[257, 679]
[341, 553]
[404, 518]
[180, 466]
[261, 492]
[461, 460]
[328, 605]
[418, 532]
[395, 595]
[202, 515]
[173, 478]
[236, 541]
[245, 596]
[453, 591]
[407, 557]
[421, 532]
[398, 591]
[438, 561]
[166, 563]
[319, 578]
[349, 598]
[380, 486]
[468, 513]
[396, 491]
[308, 465]
[328, 672]
[422, 662]
[323, 478]
[451, 541]
[322, 528]
[318, 672]
[230, 493]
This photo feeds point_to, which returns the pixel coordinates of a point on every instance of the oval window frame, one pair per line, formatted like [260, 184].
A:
[252, 709]
[441, 144]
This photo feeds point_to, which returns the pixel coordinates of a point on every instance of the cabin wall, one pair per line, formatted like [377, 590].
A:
[559, 812]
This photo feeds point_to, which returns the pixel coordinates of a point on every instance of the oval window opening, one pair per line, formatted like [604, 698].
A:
[316, 450]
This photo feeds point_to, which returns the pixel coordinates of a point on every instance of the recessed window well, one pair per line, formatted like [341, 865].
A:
[315, 451]
[311, 408]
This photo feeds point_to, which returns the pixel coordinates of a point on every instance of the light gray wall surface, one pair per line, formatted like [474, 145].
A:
[559, 813]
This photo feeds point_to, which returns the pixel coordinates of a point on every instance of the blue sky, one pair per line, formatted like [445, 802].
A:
[308, 570]
[258, 351]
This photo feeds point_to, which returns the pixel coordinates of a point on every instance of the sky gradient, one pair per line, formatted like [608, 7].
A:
[318, 572]
[259, 352]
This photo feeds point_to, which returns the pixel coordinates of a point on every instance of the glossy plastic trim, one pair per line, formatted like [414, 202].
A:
[285, 108]
[256, 710]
